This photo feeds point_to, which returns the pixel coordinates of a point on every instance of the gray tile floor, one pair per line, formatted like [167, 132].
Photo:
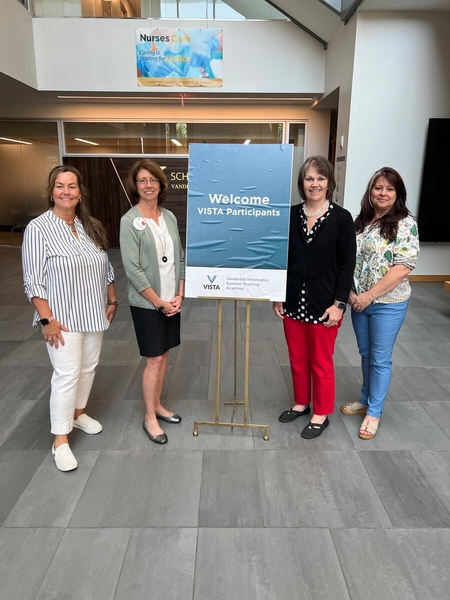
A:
[225, 515]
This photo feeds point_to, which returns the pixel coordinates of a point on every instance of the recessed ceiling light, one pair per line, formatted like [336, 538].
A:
[216, 98]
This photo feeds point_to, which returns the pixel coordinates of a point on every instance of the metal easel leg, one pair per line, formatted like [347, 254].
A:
[235, 402]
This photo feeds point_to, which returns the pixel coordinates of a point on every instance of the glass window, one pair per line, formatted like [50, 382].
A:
[28, 152]
[192, 9]
[163, 138]
[221, 10]
[115, 138]
[168, 9]
[68, 8]
[337, 4]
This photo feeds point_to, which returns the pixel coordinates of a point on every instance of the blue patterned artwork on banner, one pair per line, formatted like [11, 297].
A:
[179, 57]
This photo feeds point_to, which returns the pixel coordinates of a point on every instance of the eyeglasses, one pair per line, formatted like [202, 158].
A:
[145, 180]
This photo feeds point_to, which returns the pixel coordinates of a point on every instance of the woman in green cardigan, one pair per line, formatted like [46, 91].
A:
[153, 260]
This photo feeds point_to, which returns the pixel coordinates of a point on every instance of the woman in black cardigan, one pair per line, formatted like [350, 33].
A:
[321, 261]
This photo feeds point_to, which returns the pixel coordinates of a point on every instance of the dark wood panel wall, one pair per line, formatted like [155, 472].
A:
[108, 201]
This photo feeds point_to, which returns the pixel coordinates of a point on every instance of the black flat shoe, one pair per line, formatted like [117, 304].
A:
[290, 415]
[313, 430]
[158, 439]
[173, 419]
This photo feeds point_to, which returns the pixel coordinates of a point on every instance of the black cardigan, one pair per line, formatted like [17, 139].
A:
[326, 264]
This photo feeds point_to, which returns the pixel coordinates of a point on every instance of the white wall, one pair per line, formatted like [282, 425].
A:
[400, 80]
[99, 55]
[16, 42]
[339, 74]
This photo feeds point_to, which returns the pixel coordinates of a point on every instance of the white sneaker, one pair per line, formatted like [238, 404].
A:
[64, 459]
[87, 424]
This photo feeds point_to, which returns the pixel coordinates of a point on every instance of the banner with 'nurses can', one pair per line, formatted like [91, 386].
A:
[179, 57]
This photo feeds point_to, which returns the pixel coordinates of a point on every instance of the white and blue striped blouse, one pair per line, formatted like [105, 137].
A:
[72, 275]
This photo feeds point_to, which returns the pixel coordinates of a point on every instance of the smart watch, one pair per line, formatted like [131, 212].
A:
[340, 305]
[47, 320]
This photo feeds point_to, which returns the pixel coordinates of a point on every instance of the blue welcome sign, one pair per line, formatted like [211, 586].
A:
[239, 200]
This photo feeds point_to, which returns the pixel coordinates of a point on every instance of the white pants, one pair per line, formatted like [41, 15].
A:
[73, 375]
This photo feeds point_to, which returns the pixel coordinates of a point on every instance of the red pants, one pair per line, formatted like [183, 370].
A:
[311, 349]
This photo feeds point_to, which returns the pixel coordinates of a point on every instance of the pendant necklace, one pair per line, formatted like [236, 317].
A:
[317, 213]
[71, 226]
[162, 240]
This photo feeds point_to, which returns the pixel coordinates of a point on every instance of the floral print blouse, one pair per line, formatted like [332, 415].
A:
[375, 256]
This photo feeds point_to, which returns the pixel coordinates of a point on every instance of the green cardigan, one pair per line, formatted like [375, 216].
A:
[139, 256]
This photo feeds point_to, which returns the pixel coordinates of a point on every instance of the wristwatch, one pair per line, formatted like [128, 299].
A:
[47, 320]
[340, 305]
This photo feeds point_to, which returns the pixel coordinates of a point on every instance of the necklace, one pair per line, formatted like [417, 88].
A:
[162, 239]
[72, 227]
[317, 213]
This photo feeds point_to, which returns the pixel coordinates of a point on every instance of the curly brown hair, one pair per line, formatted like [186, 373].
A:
[155, 170]
[92, 226]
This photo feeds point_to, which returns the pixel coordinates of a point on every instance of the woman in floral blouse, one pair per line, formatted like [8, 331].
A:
[387, 248]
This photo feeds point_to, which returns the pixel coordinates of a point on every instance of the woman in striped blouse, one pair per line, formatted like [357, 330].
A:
[70, 282]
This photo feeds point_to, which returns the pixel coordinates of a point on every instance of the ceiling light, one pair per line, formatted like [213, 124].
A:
[86, 141]
[217, 98]
[247, 142]
[176, 142]
[16, 141]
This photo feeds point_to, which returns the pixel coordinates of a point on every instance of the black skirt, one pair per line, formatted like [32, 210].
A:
[155, 333]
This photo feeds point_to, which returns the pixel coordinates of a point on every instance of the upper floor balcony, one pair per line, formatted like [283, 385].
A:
[156, 9]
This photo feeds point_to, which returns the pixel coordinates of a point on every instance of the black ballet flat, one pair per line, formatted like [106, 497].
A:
[290, 415]
[313, 430]
[157, 439]
[173, 419]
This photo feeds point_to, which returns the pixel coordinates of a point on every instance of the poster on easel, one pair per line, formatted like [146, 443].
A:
[238, 212]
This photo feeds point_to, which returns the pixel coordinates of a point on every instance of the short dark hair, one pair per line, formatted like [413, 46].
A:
[323, 167]
[388, 223]
[152, 168]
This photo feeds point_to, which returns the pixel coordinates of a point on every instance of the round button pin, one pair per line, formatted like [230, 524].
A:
[139, 223]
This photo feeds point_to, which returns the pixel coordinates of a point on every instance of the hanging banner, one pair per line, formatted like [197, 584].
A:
[179, 57]
[238, 220]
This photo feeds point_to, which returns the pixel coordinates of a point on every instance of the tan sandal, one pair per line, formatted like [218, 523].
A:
[368, 429]
[354, 408]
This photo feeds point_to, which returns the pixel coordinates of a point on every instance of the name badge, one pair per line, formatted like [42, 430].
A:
[139, 223]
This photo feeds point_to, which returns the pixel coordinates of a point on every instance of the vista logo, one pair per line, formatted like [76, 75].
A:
[211, 285]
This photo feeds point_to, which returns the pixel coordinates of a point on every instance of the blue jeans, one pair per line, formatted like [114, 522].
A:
[376, 329]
